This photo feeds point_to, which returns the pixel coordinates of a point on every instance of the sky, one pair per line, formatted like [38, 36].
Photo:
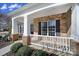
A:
[5, 8]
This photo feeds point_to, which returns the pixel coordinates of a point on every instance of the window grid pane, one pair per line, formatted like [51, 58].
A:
[49, 28]
[44, 28]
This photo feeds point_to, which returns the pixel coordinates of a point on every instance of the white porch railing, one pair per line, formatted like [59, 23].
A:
[53, 42]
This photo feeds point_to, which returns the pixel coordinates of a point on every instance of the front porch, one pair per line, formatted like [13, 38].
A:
[52, 27]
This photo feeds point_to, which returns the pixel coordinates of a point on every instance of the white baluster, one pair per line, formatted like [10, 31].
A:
[69, 45]
[57, 43]
[66, 44]
[60, 43]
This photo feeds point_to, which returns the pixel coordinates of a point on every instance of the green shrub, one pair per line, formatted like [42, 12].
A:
[15, 47]
[5, 38]
[0, 37]
[39, 53]
[24, 51]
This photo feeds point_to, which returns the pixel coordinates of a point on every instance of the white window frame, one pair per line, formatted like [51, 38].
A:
[41, 27]
[47, 27]
[55, 27]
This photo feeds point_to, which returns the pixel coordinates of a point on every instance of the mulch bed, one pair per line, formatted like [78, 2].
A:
[9, 54]
[4, 44]
[12, 54]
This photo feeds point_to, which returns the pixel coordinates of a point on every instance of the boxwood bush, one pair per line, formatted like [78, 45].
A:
[39, 53]
[15, 47]
[24, 51]
[0, 37]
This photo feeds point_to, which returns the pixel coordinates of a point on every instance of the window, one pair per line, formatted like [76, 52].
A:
[20, 28]
[51, 28]
[57, 27]
[39, 27]
[31, 28]
[44, 28]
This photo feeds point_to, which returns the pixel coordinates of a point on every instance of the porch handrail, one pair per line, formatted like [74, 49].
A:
[52, 36]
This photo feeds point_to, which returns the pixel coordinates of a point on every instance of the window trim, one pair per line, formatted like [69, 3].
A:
[55, 27]
[31, 28]
[48, 27]
[41, 26]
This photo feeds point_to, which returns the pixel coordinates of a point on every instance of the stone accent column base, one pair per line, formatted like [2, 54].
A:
[15, 37]
[75, 47]
[26, 40]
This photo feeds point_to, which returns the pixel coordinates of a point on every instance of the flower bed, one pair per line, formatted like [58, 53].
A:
[4, 44]
[9, 54]
[4, 40]
[27, 51]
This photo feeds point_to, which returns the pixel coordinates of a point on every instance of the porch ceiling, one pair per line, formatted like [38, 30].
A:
[51, 11]
[19, 19]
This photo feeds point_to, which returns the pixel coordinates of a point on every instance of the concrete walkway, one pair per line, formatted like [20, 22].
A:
[7, 48]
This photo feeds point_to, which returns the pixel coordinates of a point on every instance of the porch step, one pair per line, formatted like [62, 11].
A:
[59, 53]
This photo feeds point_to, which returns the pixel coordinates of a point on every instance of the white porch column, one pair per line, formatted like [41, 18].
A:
[26, 26]
[75, 28]
[75, 21]
[26, 34]
[14, 26]
[14, 29]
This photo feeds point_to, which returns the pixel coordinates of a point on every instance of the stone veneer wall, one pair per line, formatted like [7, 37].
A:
[14, 37]
[65, 21]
